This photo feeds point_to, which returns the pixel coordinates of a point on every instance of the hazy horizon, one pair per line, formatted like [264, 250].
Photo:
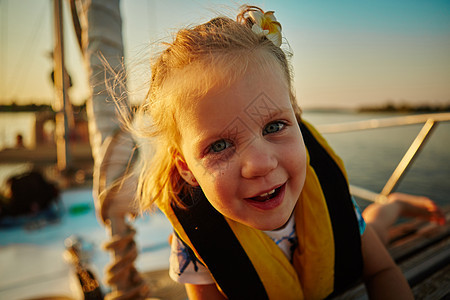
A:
[346, 53]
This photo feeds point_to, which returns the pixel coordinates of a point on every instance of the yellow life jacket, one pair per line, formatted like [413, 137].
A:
[247, 264]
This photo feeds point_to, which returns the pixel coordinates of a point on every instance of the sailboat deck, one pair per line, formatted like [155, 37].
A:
[422, 251]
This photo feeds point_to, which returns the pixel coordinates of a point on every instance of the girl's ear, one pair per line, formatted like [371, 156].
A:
[184, 170]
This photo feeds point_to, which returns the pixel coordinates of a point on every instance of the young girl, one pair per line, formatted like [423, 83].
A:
[259, 202]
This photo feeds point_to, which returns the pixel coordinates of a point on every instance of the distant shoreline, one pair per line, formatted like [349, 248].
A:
[388, 107]
[407, 108]
[34, 108]
[400, 108]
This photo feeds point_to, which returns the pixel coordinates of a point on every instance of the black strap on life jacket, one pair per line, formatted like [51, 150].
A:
[347, 240]
[219, 248]
[227, 261]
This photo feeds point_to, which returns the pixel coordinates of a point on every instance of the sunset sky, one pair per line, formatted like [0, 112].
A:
[346, 53]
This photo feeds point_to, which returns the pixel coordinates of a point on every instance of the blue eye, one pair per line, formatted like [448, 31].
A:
[273, 127]
[219, 146]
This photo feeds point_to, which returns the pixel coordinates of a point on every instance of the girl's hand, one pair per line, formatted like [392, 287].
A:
[417, 207]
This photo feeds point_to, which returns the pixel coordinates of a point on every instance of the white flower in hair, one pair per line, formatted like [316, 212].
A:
[266, 24]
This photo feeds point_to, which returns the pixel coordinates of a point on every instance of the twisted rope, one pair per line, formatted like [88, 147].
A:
[121, 273]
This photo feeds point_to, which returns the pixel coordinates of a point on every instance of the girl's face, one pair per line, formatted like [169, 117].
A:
[243, 146]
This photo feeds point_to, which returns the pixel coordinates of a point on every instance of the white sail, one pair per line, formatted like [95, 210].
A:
[112, 147]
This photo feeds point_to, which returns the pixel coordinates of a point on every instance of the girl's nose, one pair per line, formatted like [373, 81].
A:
[257, 161]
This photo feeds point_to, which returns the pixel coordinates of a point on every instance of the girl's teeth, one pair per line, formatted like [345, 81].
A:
[267, 194]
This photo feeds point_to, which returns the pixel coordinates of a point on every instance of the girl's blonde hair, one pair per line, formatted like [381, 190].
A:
[213, 54]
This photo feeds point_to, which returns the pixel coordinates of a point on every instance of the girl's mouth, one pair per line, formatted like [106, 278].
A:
[269, 200]
[267, 196]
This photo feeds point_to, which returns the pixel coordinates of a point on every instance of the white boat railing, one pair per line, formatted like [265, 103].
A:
[429, 120]
[382, 123]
